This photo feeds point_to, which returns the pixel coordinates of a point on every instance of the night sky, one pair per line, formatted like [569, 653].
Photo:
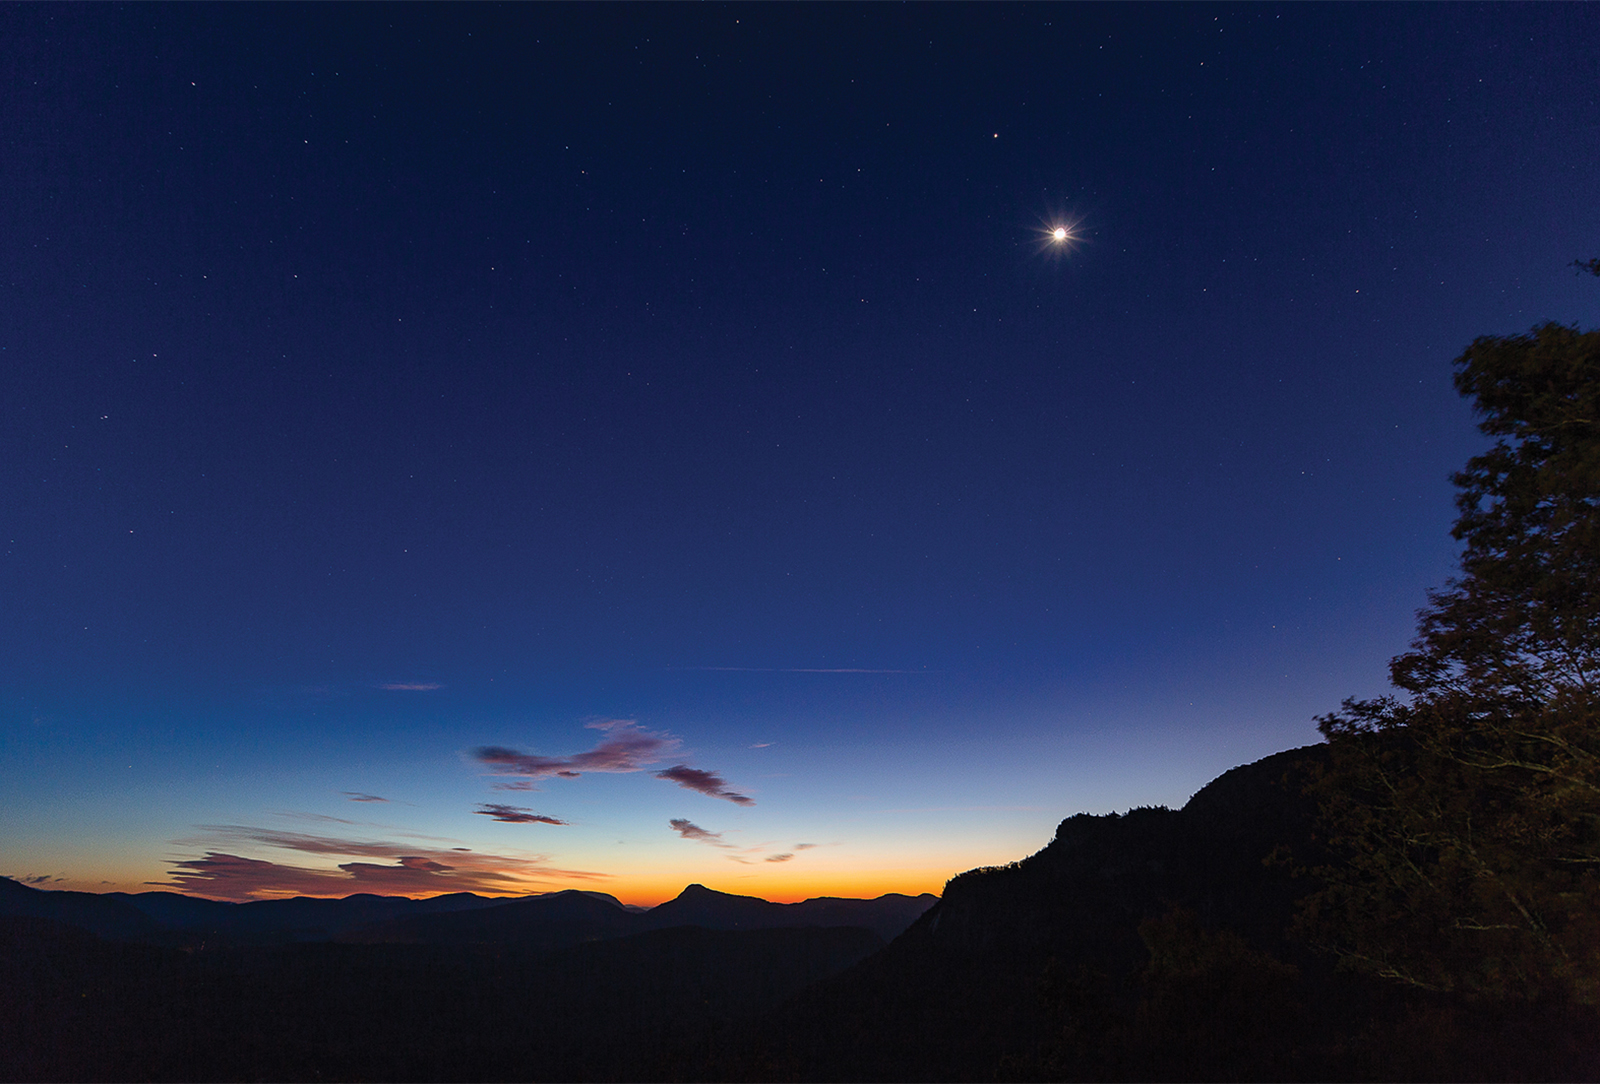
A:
[523, 448]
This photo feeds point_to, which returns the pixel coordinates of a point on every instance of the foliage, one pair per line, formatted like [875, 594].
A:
[1213, 1007]
[1471, 814]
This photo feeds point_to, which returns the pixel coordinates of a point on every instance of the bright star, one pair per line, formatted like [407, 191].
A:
[1057, 236]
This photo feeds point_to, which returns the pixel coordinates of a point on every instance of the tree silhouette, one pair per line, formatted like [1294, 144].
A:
[1470, 815]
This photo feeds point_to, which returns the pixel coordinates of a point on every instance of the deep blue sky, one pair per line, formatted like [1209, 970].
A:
[381, 383]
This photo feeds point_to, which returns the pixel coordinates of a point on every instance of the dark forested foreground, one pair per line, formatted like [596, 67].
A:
[92, 1010]
[1158, 944]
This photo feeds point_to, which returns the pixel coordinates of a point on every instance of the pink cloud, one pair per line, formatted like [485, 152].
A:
[405, 868]
[232, 876]
[625, 748]
[512, 814]
[707, 783]
[779, 857]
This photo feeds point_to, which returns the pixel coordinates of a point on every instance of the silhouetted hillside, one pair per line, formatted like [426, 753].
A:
[887, 915]
[540, 922]
[275, 922]
[109, 916]
[1151, 945]
[547, 921]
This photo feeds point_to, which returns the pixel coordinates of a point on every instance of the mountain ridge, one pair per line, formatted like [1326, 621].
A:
[547, 920]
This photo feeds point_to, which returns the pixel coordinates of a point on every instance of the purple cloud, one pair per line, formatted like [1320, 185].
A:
[708, 783]
[512, 814]
[231, 876]
[387, 867]
[779, 857]
[357, 796]
[689, 830]
[411, 686]
[625, 748]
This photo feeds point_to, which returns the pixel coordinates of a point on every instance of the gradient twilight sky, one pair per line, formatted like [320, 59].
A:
[405, 408]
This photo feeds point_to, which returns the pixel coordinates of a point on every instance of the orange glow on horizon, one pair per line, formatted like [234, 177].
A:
[636, 891]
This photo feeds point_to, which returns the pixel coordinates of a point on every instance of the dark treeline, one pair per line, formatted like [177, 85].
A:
[1158, 944]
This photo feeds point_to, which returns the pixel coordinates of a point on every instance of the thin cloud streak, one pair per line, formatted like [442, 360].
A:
[745, 856]
[969, 809]
[795, 670]
[410, 686]
[357, 796]
[511, 814]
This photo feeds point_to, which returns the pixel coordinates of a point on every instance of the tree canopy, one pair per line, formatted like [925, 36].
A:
[1469, 812]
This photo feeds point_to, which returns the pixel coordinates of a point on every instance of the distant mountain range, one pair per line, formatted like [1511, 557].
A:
[566, 986]
[1157, 944]
[545, 922]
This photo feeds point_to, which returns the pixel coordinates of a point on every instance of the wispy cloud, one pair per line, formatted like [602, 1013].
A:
[405, 868]
[511, 814]
[340, 690]
[745, 856]
[796, 670]
[707, 783]
[357, 796]
[960, 808]
[806, 846]
[318, 818]
[303, 842]
[38, 879]
[625, 748]
[689, 830]
[235, 877]
[762, 745]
